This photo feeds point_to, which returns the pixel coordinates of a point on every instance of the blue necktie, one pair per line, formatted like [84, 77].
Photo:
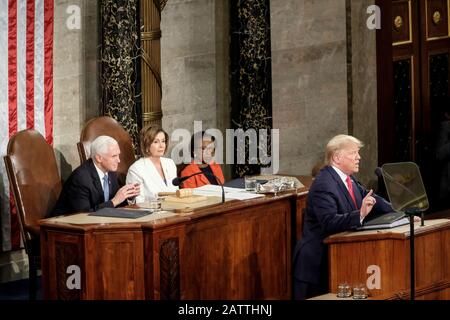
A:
[106, 187]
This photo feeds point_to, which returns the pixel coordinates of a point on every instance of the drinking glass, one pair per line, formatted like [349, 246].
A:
[360, 292]
[250, 184]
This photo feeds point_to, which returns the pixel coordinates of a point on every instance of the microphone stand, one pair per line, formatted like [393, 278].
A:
[218, 181]
[223, 189]
[411, 212]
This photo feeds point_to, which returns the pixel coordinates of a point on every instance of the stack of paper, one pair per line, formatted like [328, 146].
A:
[230, 193]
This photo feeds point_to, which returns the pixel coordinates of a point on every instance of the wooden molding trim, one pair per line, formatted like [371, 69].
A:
[421, 291]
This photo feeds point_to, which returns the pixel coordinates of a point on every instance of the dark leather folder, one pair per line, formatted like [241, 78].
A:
[121, 213]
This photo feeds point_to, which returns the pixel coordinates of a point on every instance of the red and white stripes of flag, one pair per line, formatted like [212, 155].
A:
[26, 88]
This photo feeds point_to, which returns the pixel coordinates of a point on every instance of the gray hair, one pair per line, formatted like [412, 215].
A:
[100, 145]
[338, 143]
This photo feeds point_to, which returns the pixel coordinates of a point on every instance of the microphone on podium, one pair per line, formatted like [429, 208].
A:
[379, 172]
[179, 180]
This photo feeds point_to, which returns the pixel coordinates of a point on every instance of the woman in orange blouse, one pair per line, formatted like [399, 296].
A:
[202, 162]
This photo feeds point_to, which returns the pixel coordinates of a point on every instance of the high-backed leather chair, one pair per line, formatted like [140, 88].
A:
[36, 184]
[109, 127]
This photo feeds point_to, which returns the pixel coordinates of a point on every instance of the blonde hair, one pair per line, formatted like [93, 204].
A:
[148, 134]
[338, 143]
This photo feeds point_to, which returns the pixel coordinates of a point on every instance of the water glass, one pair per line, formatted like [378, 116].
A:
[154, 205]
[250, 184]
[360, 292]
[344, 290]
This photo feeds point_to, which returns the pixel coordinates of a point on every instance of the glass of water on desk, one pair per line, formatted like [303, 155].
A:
[360, 291]
[153, 204]
[277, 186]
[250, 183]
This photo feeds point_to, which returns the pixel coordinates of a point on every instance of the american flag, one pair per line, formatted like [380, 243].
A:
[26, 89]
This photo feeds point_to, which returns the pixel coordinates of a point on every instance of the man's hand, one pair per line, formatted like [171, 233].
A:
[367, 204]
[127, 191]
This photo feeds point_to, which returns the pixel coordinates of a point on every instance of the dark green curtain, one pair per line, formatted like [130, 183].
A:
[119, 49]
[250, 73]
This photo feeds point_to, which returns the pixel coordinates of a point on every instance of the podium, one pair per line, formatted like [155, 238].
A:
[356, 257]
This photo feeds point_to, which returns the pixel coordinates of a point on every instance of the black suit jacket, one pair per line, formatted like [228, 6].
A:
[330, 210]
[83, 191]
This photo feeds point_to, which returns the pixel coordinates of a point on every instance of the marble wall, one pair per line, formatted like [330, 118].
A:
[315, 96]
[194, 64]
[364, 88]
[76, 86]
[309, 79]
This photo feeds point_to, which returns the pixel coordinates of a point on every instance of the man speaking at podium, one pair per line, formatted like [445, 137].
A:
[336, 202]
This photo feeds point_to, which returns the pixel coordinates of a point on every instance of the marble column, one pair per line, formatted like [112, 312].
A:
[118, 55]
[250, 73]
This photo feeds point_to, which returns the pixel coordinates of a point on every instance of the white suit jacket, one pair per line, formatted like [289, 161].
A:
[144, 172]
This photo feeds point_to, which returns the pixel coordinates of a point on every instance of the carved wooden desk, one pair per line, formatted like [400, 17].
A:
[235, 250]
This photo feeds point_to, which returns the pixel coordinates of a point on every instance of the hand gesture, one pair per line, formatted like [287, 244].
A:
[127, 191]
[367, 204]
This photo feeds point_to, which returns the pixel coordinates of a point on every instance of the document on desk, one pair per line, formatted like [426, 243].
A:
[230, 193]
[242, 195]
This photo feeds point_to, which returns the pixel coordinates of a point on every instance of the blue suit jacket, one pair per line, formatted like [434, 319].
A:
[330, 209]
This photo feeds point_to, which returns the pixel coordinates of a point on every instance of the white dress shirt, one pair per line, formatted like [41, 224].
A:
[101, 174]
[342, 175]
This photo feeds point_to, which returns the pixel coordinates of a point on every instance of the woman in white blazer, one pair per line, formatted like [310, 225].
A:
[153, 172]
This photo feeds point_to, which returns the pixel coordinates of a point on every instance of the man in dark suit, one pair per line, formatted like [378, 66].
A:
[94, 185]
[336, 202]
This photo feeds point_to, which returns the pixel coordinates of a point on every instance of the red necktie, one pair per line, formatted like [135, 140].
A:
[350, 190]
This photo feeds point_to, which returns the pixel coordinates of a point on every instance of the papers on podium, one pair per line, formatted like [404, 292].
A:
[230, 193]
[385, 221]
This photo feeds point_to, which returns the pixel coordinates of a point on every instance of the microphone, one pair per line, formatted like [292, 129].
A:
[179, 180]
[379, 172]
